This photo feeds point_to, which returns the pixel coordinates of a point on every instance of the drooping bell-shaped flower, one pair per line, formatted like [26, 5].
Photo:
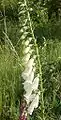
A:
[28, 69]
[26, 72]
[34, 104]
[27, 49]
[28, 41]
[26, 58]
[27, 86]
[30, 77]
[35, 83]
[30, 99]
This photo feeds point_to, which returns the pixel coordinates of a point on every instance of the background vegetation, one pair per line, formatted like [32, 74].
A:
[46, 19]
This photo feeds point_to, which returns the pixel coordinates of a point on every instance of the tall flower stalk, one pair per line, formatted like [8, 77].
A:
[32, 75]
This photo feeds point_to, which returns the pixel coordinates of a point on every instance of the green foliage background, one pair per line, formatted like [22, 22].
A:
[48, 35]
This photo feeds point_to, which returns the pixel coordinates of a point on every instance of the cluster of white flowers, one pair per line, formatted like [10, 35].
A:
[31, 81]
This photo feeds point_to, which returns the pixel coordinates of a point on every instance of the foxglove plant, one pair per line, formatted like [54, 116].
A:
[31, 83]
[31, 74]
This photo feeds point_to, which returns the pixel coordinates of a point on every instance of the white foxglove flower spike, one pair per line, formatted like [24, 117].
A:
[30, 81]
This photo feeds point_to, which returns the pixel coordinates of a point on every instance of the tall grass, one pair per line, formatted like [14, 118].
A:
[51, 51]
[10, 85]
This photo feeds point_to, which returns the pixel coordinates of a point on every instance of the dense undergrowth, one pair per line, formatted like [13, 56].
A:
[49, 41]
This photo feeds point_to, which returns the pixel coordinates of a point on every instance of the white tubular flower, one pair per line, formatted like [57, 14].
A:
[21, 31]
[35, 83]
[34, 104]
[27, 95]
[32, 96]
[31, 77]
[26, 72]
[27, 43]
[36, 100]
[23, 36]
[26, 50]
[27, 86]
[25, 27]
[31, 109]
[30, 62]
[26, 58]
[25, 33]
[28, 69]
[28, 89]
[28, 39]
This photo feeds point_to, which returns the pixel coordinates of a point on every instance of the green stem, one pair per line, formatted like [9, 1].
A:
[39, 63]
